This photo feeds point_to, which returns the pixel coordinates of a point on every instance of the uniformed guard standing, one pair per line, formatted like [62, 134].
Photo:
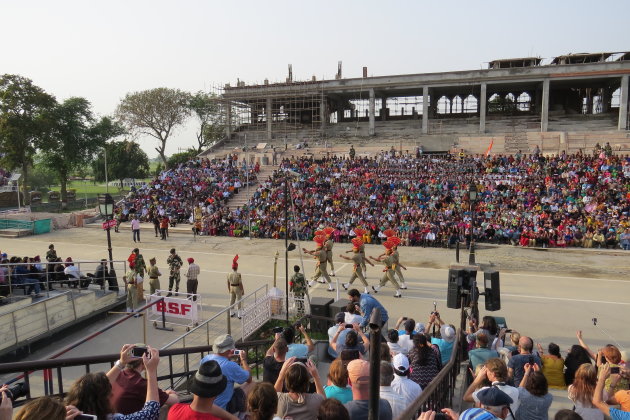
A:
[154, 274]
[328, 246]
[320, 255]
[175, 263]
[235, 288]
[51, 254]
[388, 273]
[136, 261]
[297, 285]
[390, 233]
[358, 260]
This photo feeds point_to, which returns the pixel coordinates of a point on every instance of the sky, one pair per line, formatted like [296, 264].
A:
[101, 50]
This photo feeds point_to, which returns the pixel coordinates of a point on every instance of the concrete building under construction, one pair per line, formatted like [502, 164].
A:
[567, 103]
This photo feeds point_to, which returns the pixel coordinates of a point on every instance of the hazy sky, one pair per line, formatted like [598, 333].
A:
[102, 50]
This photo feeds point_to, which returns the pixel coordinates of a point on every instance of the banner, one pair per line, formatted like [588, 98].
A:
[175, 307]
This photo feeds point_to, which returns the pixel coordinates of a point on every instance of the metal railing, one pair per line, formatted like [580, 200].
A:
[439, 393]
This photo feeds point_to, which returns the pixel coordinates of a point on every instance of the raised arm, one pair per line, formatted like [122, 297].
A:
[598, 400]
[585, 346]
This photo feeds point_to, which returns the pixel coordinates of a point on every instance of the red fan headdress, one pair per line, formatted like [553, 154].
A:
[389, 232]
[359, 231]
[395, 240]
[328, 231]
[388, 245]
[235, 262]
[319, 240]
[357, 242]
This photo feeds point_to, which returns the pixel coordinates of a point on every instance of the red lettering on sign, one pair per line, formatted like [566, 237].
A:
[174, 308]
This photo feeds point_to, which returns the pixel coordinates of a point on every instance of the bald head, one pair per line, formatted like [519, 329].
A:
[526, 344]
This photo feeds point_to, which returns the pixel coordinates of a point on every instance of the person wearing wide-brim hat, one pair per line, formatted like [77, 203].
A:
[357, 259]
[320, 256]
[207, 383]
[388, 274]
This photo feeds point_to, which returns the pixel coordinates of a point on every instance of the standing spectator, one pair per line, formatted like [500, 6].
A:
[39, 408]
[164, 221]
[192, 278]
[51, 254]
[135, 228]
[359, 373]
[552, 366]
[581, 392]
[516, 365]
[274, 359]
[154, 274]
[397, 402]
[533, 395]
[367, 304]
[223, 348]
[401, 383]
[338, 376]
[174, 262]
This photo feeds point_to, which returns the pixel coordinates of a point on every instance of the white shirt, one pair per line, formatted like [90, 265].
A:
[405, 341]
[395, 348]
[396, 401]
[510, 390]
[352, 318]
[406, 388]
[73, 270]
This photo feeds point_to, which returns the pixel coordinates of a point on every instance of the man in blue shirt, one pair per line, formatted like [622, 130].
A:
[367, 304]
[223, 349]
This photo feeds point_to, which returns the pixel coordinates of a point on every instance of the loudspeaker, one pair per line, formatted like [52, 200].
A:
[319, 307]
[453, 294]
[493, 292]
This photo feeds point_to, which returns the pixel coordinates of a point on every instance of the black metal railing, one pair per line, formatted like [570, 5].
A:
[439, 393]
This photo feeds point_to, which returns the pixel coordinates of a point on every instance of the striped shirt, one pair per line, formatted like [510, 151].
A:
[193, 271]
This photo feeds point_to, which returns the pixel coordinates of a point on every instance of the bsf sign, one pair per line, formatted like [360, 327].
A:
[174, 307]
[109, 224]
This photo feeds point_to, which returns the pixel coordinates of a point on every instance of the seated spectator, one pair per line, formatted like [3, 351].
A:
[445, 344]
[598, 397]
[359, 373]
[516, 365]
[298, 350]
[575, 359]
[101, 275]
[338, 379]
[566, 414]
[92, 392]
[405, 339]
[533, 395]
[401, 384]
[41, 408]
[515, 336]
[75, 276]
[386, 355]
[552, 366]
[352, 340]
[496, 372]
[340, 320]
[488, 327]
[397, 402]
[581, 392]
[207, 383]
[352, 315]
[494, 404]
[262, 402]
[297, 403]
[392, 343]
[274, 359]
[481, 353]
[129, 387]
[332, 409]
[231, 397]
[424, 361]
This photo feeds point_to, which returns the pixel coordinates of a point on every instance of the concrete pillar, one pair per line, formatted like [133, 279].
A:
[268, 111]
[228, 120]
[544, 112]
[623, 103]
[323, 113]
[372, 111]
[384, 109]
[339, 111]
[425, 110]
[483, 105]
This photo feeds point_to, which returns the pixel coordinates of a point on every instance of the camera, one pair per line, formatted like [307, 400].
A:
[441, 416]
[298, 325]
[614, 370]
[238, 352]
[17, 390]
[86, 417]
[138, 351]
[349, 326]
[277, 330]
[531, 360]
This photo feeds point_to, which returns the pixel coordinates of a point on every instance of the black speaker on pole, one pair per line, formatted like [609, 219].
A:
[453, 294]
[492, 290]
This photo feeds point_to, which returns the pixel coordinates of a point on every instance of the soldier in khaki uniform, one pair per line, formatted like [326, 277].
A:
[235, 288]
[154, 274]
[328, 246]
[175, 263]
[360, 232]
[357, 259]
[396, 256]
[388, 274]
[320, 255]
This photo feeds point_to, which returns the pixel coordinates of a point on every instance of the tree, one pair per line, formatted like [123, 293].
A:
[156, 112]
[125, 159]
[72, 138]
[182, 157]
[205, 107]
[22, 105]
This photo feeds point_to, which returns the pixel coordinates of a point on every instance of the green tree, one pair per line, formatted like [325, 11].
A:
[156, 112]
[41, 178]
[125, 159]
[181, 157]
[22, 105]
[207, 111]
[72, 138]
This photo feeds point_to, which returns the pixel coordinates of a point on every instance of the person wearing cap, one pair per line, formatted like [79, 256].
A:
[401, 384]
[192, 278]
[357, 270]
[367, 304]
[320, 268]
[174, 262]
[494, 404]
[234, 373]
[359, 374]
[496, 372]
[235, 288]
[397, 402]
[445, 344]
[129, 388]
[340, 321]
[388, 272]
[328, 246]
[154, 274]
[206, 385]
[297, 285]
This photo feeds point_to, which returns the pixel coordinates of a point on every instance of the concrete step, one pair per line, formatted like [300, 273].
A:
[14, 233]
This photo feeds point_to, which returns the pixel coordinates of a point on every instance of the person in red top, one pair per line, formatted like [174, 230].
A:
[129, 388]
[207, 383]
[164, 227]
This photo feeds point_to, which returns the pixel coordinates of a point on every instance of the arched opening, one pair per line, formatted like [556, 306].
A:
[470, 104]
[444, 105]
[524, 102]
[458, 106]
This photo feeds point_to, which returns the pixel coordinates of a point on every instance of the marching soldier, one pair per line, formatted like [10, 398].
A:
[328, 246]
[297, 285]
[320, 255]
[388, 274]
[358, 260]
[360, 232]
[396, 256]
[174, 264]
[235, 288]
